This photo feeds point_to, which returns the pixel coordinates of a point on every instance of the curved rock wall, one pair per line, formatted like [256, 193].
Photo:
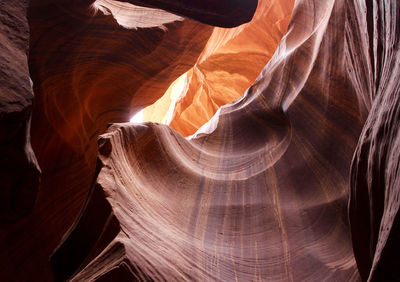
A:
[375, 175]
[224, 13]
[19, 173]
[260, 192]
[229, 64]
[87, 71]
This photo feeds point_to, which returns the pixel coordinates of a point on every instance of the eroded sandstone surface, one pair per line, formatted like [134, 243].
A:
[375, 174]
[297, 180]
[228, 65]
[19, 173]
[87, 71]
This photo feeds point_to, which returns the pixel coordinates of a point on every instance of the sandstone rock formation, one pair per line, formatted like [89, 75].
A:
[260, 192]
[375, 177]
[19, 173]
[224, 13]
[88, 71]
[228, 65]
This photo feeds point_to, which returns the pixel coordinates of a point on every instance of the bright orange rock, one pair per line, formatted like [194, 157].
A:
[88, 71]
[259, 192]
[229, 64]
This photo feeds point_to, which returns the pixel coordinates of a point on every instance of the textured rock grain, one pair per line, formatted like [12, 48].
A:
[224, 13]
[375, 177]
[260, 192]
[228, 65]
[19, 172]
[88, 71]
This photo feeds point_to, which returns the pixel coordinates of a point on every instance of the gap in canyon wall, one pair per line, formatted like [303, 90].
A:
[228, 65]
[90, 64]
[86, 70]
[279, 185]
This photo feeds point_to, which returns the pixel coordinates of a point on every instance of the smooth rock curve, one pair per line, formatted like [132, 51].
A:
[260, 192]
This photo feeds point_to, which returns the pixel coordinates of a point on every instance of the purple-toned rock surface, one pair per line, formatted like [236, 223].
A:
[19, 170]
[297, 180]
[375, 174]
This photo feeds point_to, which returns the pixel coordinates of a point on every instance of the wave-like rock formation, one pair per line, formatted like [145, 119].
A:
[297, 180]
[91, 64]
[375, 174]
[224, 13]
[228, 65]
[261, 191]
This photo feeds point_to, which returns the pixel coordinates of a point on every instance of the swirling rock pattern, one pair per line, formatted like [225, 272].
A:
[88, 71]
[228, 65]
[375, 177]
[19, 173]
[260, 192]
[224, 13]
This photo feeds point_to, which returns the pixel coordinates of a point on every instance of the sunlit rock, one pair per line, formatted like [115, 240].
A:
[229, 64]
[296, 179]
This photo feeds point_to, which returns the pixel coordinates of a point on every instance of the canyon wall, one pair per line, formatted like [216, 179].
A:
[88, 70]
[375, 174]
[228, 65]
[260, 192]
[297, 180]
[19, 173]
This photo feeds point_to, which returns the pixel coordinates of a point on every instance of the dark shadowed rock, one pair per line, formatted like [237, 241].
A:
[375, 175]
[19, 172]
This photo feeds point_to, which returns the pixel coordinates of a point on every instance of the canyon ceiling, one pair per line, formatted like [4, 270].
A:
[271, 150]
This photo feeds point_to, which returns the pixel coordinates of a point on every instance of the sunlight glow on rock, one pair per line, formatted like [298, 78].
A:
[138, 117]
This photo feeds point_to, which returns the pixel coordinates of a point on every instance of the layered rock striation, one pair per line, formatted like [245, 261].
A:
[91, 64]
[260, 192]
[19, 173]
[224, 13]
[228, 65]
[297, 180]
[375, 174]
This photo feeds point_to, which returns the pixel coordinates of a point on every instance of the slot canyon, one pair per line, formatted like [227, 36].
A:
[267, 148]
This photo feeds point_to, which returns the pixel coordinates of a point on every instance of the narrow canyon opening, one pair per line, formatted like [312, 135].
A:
[93, 65]
[229, 63]
[293, 178]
